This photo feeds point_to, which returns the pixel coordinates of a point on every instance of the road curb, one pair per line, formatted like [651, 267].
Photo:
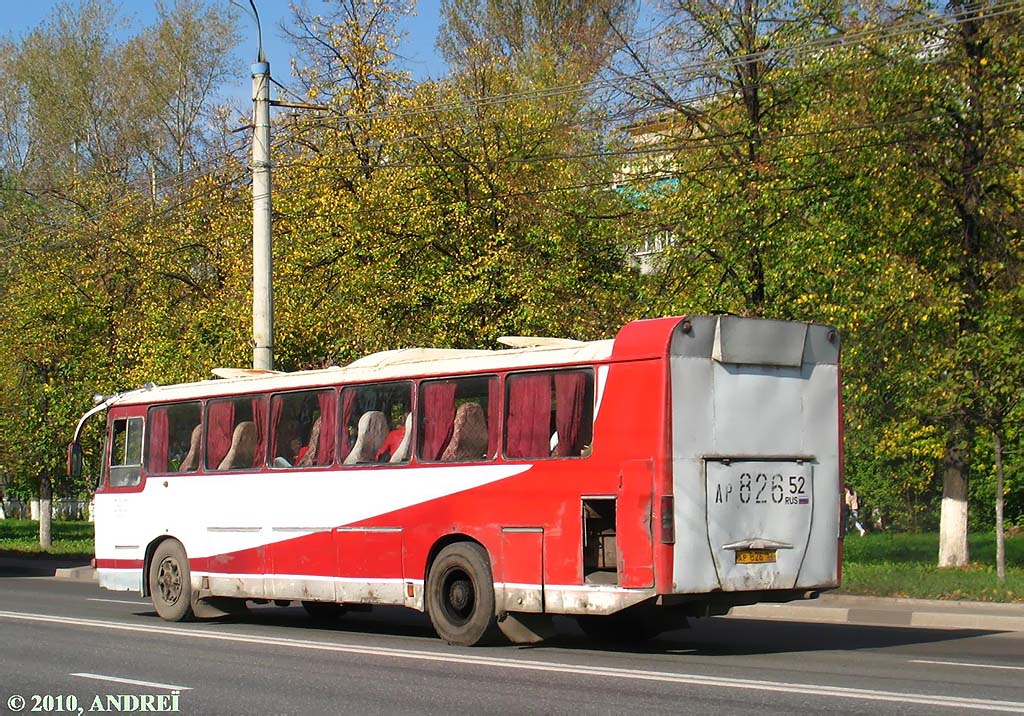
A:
[76, 574]
[786, 612]
[967, 621]
[929, 615]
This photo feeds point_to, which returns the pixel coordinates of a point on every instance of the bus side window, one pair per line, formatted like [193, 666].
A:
[374, 420]
[549, 414]
[236, 433]
[303, 426]
[459, 419]
[125, 468]
[172, 441]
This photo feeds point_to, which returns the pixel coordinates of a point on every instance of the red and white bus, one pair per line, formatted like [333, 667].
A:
[689, 465]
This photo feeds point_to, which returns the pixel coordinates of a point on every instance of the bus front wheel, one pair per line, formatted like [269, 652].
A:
[460, 595]
[170, 582]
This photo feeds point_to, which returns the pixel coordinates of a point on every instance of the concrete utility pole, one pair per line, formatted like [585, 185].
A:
[262, 253]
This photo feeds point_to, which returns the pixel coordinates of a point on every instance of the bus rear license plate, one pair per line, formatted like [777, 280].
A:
[755, 556]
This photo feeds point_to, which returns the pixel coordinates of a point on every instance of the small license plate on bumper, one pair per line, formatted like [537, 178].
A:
[755, 556]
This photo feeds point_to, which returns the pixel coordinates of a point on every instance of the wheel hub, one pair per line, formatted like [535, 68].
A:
[460, 594]
[169, 579]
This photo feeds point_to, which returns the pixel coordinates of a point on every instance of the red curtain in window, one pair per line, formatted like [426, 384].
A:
[493, 415]
[569, 391]
[276, 409]
[259, 416]
[328, 427]
[218, 434]
[348, 399]
[438, 412]
[529, 416]
[158, 440]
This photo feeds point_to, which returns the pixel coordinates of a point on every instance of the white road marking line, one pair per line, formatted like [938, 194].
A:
[555, 667]
[117, 601]
[133, 682]
[964, 663]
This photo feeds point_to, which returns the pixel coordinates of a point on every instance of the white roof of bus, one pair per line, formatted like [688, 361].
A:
[385, 365]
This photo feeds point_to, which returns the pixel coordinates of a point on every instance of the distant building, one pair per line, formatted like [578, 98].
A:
[650, 169]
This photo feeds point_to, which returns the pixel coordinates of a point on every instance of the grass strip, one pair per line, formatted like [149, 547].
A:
[71, 539]
[904, 565]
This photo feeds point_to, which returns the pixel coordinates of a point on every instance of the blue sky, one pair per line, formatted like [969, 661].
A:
[18, 17]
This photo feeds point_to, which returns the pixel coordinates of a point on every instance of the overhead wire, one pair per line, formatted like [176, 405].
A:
[604, 184]
[661, 148]
[168, 185]
[466, 125]
[837, 41]
[844, 41]
[406, 210]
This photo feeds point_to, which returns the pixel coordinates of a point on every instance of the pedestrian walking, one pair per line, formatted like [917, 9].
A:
[853, 511]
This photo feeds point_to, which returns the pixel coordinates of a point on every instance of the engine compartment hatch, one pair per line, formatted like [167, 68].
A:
[759, 520]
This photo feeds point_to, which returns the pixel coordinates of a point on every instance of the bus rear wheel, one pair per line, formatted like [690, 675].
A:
[460, 595]
[170, 582]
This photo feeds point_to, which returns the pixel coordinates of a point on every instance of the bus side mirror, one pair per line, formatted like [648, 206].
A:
[74, 460]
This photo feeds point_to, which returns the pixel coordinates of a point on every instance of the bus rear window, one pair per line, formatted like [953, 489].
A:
[125, 452]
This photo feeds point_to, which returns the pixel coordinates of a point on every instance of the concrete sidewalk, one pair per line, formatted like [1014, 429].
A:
[831, 608]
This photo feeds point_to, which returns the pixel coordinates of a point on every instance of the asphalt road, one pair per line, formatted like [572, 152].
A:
[66, 646]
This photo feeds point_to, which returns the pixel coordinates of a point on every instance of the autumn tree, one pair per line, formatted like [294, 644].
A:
[723, 105]
[507, 223]
[179, 65]
[578, 37]
[80, 188]
[447, 214]
[960, 179]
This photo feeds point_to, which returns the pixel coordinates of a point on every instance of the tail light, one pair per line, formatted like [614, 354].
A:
[668, 520]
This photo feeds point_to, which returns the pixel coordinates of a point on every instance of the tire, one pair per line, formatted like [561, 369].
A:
[460, 595]
[170, 582]
[323, 611]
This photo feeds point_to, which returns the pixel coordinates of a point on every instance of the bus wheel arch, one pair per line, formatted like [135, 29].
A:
[169, 580]
[459, 592]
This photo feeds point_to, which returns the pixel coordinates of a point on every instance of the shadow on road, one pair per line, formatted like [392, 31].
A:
[16, 564]
[706, 637]
[731, 637]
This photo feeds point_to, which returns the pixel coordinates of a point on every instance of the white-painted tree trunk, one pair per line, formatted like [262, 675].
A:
[953, 551]
[1000, 534]
[45, 513]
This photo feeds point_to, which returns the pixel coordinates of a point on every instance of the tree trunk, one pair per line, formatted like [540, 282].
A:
[45, 512]
[953, 550]
[1000, 535]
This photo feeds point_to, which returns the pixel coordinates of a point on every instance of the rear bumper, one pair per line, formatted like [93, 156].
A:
[120, 580]
[718, 603]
